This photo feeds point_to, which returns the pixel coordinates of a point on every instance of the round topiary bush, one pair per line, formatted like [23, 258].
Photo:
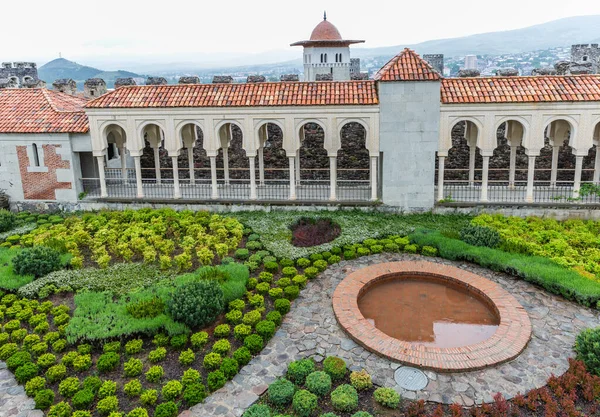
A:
[344, 398]
[258, 410]
[387, 397]
[197, 304]
[304, 403]
[37, 261]
[587, 346]
[335, 367]
[281, 392]
[361, 380]
[319, 383]
[480, 236]
[298, 370]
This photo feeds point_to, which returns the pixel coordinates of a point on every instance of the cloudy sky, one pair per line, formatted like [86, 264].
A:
[125, 32]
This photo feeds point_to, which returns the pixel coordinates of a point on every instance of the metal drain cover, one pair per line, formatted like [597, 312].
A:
[410, 379]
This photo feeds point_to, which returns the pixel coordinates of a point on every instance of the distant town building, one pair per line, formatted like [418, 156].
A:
[471, 62]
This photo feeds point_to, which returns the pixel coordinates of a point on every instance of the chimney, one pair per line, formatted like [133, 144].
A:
[65, 85]
[359, 76]
[256, 79]
[122, 82]
[323, 77]
[464, 73]
[222, 79]
[94, 87]
[289, 77]
[189, 80]
[156, 81]
[436, 61]
[507, 72]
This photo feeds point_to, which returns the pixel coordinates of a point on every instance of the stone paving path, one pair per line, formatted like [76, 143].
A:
[13, 400]
[310, 329]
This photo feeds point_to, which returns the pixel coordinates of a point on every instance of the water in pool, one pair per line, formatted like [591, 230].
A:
[428, 311]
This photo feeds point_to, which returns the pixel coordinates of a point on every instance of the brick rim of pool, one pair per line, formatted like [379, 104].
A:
[509, 340]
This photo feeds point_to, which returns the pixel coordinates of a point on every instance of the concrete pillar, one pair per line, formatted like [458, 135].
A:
[291, 160]
[472, 151]
[530, 178]
[554, 171]
[441, 161]
[103, 192]
[190, 152]
[261, 166]
[157, 164]
[513, 162]
[213, 177]
[138, 176]
[577, 181]
[484, 179]
[226, 165]
[176, 188]
[597, 166]
[123, 163]
[373, 178]
[252, 178]
[332, 178]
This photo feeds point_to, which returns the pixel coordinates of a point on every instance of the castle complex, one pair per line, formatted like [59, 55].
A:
[407, 139]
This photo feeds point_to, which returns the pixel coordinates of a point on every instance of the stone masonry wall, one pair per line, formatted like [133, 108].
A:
[42, 185]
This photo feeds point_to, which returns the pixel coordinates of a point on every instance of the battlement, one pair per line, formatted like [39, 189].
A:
[19, 65]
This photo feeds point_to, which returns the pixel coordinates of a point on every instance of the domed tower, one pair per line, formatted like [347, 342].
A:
[327, 54]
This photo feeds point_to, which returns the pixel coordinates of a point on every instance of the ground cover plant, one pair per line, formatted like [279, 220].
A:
[575, 393]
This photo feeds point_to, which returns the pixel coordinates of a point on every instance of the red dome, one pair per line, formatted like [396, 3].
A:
[325, 31]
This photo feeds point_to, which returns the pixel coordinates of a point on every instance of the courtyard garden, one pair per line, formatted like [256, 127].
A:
[151, 312]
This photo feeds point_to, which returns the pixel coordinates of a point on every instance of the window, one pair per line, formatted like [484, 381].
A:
[91, 92]
[585, 58]
[325, 58]
[35, 155]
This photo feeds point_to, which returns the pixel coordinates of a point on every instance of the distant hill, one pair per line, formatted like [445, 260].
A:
[63, 68]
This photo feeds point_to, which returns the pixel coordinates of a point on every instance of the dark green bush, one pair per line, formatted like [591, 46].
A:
[319, 383]
[229, 367]
[44, 399]
[272, 266]
[146, 308]
[242, 254]
[92, 383]
[275, 317]
[215, 380]
[18, 359]
[266, 329]
[83, 399]
[37, 261]
[344, 398]
[298, 370]
[194, 394]
[7, 220]
[108, 362]
[335, 367]
[304, 403]
[179, 341]
[362, 414]
[242, 356]
[480, 236]
[291, 292]
[168, 409]
[281, 392]
[196, 304]
[254, 343]
[258, 410]
[587, 346]
[172, 390]
[283, 305]
[25, 372]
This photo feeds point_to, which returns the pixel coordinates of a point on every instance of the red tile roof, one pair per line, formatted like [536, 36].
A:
[37, 110]
[521, 89]
[407, 66]
[322, 93]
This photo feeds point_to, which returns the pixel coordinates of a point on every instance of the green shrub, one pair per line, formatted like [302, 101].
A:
[83, 399]
[242, 356]
[387, 397]
[155, 373]
[35, 384]
[157, 355]
[133, 367]
[134, 346]
[335, 367]
[587, 347]
[161, 340]
[59, 345]
[281, 392]
[284, 282]
[18, 359]
[319, 383]
[199, 339]
[411, 248]
[112, 347]
[251, 284]
[300, 280]
[7, 220]
[194, 394]
[172, 390]
[275, 293]
[329, 415]
[56, 373]
[254, 245]
[271, 266]
[348, 255]
[222, 330]
[254, 343]
[289, 271]
[190, 376]
[298, 370]
[265, 277]
[480, 236]
[334, 259]
[303, 263]
[197, 303]
[108, 362]
[39, 348]
[187, 357]
[107, 405]
[311, 272]
[376, 249]
[46, 360]
[361, 380]
[84, 349]
[292, 292]
[320, 265]
[168, 409]
[149, 397]
[37, 261]
[266, 329]
[215, 380]
[222, 347]
[283, 305]
[257, 300]
[212, 361]
[241, 331]
[252, 317]
[362, 414]
[229, 367]
[263, 288]
[133, 388]
[344, 398]
[179, 341]
[12, 326]
[93, 383]
[25, 372]
[62, 409]
[257, 410]
[429, 251]
[242, 254]
[107, 389]
[44, 399]
[304, 403]
[82, 363]
[68, 387]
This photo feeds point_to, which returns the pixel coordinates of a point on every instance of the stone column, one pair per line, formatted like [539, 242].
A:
[190, 152]
[252, 178]
[213, 177]
[291, 160]
[577, 181]
[103, 191]
[484, 179]
[472, 151]
[597, 166]
[123, 163]
[176, 188]
[298, 177]
[554, 171]
[513, 162]
[138, 176]
[441, 162]
[157, 164]
[530, 178]
[373, 178]
[226, 165]
[332, 178]
[261, 166]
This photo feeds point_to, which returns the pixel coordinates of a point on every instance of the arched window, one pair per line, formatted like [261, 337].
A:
[325, 58]
[321, 58]
[36, 155]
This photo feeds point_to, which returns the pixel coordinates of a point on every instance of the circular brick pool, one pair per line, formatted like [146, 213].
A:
[431, 315]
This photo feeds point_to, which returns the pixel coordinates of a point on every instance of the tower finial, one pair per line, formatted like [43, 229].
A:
[325, 15]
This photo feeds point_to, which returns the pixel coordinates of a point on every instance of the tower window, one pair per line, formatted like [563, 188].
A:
[325, 58]
[36, 155]
[585, 58]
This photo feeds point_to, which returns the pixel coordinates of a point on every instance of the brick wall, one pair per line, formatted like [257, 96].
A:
[42, 185]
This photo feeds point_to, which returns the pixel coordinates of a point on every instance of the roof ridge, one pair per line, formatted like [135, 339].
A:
[396, 70]
[46, 94]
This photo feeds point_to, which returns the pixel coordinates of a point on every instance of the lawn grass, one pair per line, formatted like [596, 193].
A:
[9, 280]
